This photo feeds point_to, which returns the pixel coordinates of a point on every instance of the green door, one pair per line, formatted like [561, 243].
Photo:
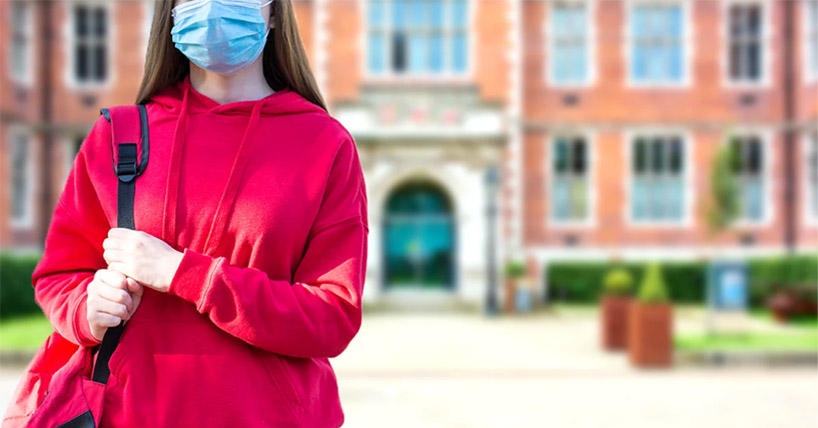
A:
[419, 238]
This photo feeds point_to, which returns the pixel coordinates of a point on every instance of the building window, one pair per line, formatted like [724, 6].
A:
[745, 46]
[812, 177]
[569, 43]
[657, 43]
[811, 39]
[657, 182]
[21, 177]
[569, 179]
[21, 47]
[89, 30]
[747, 165]
[417, 37]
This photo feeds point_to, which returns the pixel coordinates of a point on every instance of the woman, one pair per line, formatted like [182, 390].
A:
[246, 268]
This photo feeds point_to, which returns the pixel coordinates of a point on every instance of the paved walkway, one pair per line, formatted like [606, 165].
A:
[456, 370]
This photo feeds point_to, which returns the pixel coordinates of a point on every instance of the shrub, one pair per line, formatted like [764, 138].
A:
[618, 281]
[653, 289]
[16, 291]
[515, 269]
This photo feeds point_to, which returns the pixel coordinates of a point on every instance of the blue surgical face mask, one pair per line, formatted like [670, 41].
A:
[222, 36]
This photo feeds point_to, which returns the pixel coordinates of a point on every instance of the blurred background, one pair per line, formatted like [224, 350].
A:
[582, 213]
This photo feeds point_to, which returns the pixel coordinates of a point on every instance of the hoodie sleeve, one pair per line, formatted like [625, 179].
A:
[73, 247]
[317, 314]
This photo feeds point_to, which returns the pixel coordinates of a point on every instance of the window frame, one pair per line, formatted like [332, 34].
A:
[807, 138]
[26, 78]
[68, 35]
[765, 138]
[688, 45]
[688, 154]
[810, 75]
[766, 52]
[389, 76]
[15, 134]
[590, 52]
[590, 179]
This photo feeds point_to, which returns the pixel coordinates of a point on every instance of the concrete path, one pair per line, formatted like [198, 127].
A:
[458, 370]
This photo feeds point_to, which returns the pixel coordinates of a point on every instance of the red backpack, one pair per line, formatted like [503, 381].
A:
[63, 386]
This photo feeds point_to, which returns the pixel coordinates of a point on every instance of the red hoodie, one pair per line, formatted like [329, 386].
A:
[267, 200]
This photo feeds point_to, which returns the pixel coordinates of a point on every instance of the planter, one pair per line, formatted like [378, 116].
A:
[508, 295]
[650, 334]
[614, 321]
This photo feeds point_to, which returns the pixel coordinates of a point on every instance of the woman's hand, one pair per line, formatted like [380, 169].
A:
[141, 256]
[112, 297]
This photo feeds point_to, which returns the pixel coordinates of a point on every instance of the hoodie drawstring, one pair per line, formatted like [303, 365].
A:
[225, 206]
[228, 196]
[174, 173]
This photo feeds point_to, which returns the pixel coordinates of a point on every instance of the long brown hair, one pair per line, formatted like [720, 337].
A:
[284, 58]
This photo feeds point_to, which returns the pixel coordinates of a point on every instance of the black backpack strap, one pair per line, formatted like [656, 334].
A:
[127, 134]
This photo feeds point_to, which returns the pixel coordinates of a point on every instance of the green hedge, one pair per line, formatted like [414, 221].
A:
[771, 273]
[16, 292]
[581, 282]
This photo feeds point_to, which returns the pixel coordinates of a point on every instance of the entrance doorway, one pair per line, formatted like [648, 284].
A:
[419, 238]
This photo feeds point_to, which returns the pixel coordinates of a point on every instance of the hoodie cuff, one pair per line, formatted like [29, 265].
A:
[192, 279]
[82, 329]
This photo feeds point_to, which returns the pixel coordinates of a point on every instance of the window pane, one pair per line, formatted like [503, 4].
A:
[640, 153]
[398, 51]
[376, 52]
[459, 14]
[81, 62]
[560, 202]
[436, 13]
[100, 22]
[657, 156]
[376, 13]
[80, 21]
[459, 51]
[675, 156]
[579, 157]
[436, 52]
[753, 156]
[100, 60]
[417, 53]
[561, 156]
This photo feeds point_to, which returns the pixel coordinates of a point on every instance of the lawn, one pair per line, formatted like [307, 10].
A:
[24, 333]
[801, 339]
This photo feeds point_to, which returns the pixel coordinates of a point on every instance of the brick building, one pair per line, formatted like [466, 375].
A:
[601, 117]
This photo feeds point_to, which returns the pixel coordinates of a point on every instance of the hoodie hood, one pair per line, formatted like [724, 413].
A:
[284, 101]
[183, 100]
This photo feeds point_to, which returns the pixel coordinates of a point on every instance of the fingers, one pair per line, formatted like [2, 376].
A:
[100, 304]
[103, 320]
[112, 294]
[111, 278]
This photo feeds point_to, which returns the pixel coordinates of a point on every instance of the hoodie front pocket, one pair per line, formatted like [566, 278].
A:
[278, 373]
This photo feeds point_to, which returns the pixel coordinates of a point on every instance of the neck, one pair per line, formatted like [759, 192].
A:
[247, 84]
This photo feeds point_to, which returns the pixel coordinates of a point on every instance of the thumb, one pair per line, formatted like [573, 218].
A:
[134, 287]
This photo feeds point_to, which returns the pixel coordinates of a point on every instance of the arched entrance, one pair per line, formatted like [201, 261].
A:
[419, 238]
